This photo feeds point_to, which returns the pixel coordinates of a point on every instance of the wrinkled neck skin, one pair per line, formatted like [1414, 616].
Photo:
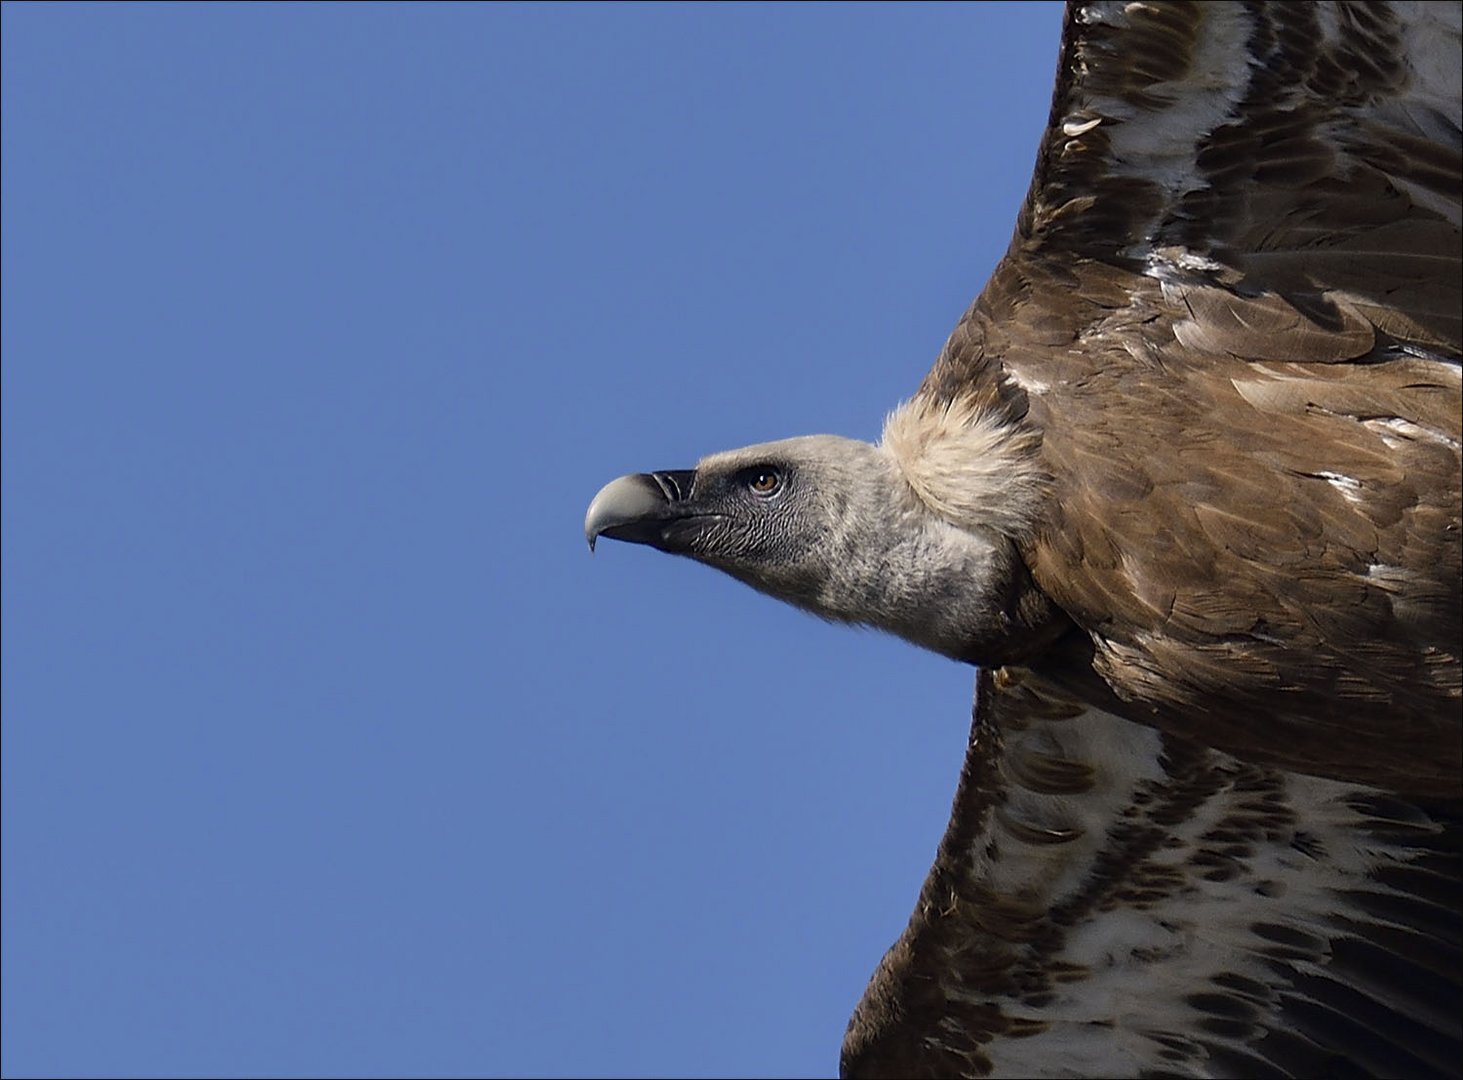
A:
[886, 560]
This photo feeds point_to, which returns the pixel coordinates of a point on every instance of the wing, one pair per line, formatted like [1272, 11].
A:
[1113, 901]
[1231, 310]
[1215, 831]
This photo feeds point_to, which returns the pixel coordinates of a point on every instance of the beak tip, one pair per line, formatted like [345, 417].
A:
[621, 506]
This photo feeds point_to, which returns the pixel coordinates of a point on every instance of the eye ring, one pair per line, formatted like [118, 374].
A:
[763, 481]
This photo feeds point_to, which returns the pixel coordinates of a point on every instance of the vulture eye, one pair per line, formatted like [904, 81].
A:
[763, 480]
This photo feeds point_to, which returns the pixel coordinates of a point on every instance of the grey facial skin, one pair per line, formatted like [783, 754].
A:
[830, 525]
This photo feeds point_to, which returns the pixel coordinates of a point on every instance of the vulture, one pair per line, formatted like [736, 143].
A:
[1183, 485]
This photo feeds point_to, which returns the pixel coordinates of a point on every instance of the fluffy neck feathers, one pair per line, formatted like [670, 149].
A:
[920, 536]
[968, 465]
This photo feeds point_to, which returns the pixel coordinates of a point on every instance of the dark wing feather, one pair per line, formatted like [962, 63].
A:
[1112, 901]
[1215, 831]
[1231, 309]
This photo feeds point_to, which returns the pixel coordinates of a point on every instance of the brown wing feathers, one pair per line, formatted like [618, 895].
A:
[1231, 309]
[1113, 902]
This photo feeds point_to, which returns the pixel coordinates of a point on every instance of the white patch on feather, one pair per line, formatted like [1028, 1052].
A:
[1170, 264]
[966, 464]
[1349, 487]
[1123, 755]
[1026, 382]
[1397, 432]
[1393, 579]
[1431, 104]
[1142, 962]
[1162, 146]
[1430, 38]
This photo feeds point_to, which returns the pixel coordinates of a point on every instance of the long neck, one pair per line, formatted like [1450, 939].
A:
[961, 592]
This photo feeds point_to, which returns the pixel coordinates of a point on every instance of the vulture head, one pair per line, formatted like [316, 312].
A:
[854, 532]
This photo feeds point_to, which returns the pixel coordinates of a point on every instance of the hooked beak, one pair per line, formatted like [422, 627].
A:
[642, 508]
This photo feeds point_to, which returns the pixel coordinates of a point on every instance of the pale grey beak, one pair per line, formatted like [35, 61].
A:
[636, 507]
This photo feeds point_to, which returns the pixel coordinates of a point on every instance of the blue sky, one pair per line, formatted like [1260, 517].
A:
[328, 748]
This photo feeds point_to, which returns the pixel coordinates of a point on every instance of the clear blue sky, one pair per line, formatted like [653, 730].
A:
[328, 748]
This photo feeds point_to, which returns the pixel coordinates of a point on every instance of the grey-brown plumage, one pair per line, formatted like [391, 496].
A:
[1184, 483]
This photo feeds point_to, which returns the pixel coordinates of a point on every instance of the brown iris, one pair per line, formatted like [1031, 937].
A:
[764, 481]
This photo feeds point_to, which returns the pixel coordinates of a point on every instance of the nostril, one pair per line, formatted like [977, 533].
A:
[675, 485]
